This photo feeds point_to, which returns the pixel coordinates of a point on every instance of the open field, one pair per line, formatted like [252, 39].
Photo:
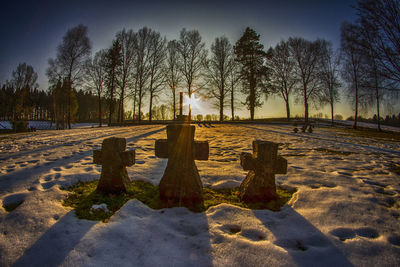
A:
[346, 210]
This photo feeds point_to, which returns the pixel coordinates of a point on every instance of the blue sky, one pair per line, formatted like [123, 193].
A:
[31, 30]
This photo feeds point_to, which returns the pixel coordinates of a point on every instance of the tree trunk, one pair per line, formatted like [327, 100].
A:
[287, 109]
[190, 107]
[232, 103]
[100, 110]
[174, 102]
[221, 108]
[140, 104]
[69, 107]
[150, 106]
[252, 100]
[377, 98]
[356, 98]
[305, 103]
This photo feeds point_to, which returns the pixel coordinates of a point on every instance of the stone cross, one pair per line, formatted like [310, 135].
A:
[181, 184]
[114, 159]
[263, 164]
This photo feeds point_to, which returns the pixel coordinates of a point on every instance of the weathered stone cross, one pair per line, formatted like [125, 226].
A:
[114, 159]
[259, 185]
[181, 184]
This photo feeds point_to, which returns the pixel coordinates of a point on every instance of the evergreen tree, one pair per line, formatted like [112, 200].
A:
[251, 56]
[113, 64]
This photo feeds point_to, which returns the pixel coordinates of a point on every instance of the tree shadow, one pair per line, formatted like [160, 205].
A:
[304, 243]
[56, 243]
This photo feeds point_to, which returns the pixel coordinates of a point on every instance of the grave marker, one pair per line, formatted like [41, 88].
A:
[114, 159]
[181, 184]
[263, 164]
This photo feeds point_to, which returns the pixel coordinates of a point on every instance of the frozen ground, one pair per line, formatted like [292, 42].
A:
[46, 125]
[345, 213]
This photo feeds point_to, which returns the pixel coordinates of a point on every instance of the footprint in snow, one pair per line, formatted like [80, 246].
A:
[374, 183]
[345, 173]
[347, 233]
[394, 240]
[48, 178]
[11, 202]
[367, 232]
[48, 185]
[253, 234]
[57, 169]
[297, 167]
[343, 233]
[291, 244]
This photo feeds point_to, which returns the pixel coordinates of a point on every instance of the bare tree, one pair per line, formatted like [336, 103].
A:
[142, 69]
[330, 75]
[193, 54]
[233, 81]
[23, 81]
[172, 71]
[157, 48]
[127, 41]
[96, 76]
[353, 60]
[380, 27]
[283, 77]
[71, 58]
[218, 68]
[306, 55]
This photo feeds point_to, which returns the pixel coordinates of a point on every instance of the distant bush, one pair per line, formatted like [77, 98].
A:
[338, 117]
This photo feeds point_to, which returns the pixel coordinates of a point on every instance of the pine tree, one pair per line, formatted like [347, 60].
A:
[250, 56]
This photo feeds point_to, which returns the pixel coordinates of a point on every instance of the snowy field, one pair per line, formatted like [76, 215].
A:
[46, 125]
[346, 211]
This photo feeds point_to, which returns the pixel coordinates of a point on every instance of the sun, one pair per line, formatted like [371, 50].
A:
[192, 101]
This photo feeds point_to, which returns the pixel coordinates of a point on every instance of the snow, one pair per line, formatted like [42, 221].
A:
[46, 125]
[345, 212]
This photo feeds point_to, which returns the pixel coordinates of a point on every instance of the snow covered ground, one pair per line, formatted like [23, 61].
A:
[346, 211]
[46, 125]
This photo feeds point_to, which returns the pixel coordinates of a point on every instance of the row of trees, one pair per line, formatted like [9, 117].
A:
[143, 65]
[22, 100]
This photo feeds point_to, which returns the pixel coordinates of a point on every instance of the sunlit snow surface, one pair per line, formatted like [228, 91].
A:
[346, 211]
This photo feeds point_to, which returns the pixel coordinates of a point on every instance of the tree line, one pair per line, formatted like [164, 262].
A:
[141, 66]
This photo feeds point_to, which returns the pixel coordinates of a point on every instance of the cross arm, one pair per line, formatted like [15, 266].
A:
[247, 161]
[201, 149]
[161, 148]
[97, 157]
[281, 165]
[128, 157]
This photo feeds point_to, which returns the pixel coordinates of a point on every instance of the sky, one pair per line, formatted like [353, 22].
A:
[32, 30]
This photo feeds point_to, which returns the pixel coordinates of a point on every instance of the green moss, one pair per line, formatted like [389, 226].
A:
[83, 196]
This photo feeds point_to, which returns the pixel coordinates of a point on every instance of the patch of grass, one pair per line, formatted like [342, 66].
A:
[83, 196]
[335, 152]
